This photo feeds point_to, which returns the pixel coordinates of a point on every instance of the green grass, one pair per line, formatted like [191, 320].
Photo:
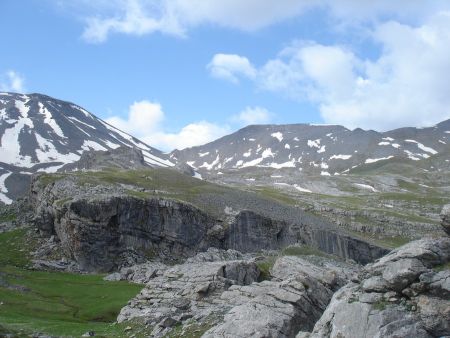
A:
[276, 195]
[265, 266]
[14, 248]
[55, 303]
[8, 217]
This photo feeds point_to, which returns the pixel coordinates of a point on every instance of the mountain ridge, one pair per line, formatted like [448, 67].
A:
[41, 134]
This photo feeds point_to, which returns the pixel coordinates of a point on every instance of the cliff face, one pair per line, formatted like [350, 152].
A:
[104, 227]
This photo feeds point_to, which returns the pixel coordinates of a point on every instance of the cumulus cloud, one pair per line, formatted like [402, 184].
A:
[230, 67]
[145, 121]
[193, 134]
[403, 86]
[176, 17]
[12, 82]
[253, 115]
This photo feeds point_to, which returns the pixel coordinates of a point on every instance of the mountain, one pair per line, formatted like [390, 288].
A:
[322, 149]
[41, 134]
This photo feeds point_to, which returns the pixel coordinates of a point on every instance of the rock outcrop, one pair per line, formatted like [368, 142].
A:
[226, 295]
[293, 300]
[186, 291]
[445, 216]
[404, 294]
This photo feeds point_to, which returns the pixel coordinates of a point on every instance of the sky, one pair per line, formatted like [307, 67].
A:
[179, 73]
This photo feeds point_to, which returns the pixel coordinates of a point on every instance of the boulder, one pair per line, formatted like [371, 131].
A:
[400, 295]
[445, 217]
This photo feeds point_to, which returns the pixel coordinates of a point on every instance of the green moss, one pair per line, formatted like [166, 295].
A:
[380, 305]
[442, 267]
[265, 266]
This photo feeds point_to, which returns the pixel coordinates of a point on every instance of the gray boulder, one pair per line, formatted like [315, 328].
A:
[400, 295]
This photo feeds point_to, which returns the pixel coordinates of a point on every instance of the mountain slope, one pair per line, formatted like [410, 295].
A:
[324, 149]
[40, 133]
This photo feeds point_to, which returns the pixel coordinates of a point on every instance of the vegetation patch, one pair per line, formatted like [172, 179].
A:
[55, 303]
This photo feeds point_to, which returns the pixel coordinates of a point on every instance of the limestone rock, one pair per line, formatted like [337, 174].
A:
[400, 295]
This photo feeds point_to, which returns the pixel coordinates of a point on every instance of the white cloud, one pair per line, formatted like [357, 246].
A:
[193, 134]
[405, 85]
[12, 82]
[253, 115]
[176, 17]
[145, 121]
[230, 66]
[143, 117]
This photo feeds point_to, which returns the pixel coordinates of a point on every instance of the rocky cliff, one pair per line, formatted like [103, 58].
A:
[103, 227]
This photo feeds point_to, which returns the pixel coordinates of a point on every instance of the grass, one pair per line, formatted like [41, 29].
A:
[380, 305]
[265, 266]
[8, 217]
[55, 303]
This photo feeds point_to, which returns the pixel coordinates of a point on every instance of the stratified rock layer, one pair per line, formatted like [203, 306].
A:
[103, 227]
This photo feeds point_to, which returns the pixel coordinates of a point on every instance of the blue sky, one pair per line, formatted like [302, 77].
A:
[183, 72]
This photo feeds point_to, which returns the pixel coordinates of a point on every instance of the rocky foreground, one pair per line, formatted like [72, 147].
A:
[403, 294]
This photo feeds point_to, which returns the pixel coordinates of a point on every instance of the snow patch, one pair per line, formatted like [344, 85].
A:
[314, 143]
[48, 119]
[278, 136]
[203, 154]
[373, 160]
[211, 165]
[340, 157]
[287, 146]
[366, 186]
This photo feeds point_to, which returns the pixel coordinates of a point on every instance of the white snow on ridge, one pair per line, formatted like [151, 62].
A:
[325, 173]
[388, 139]
[384, 143]
[424, 148]
[81, 122]
[340, 157]
[366, 186]
[411, 156]
[248, 153]
[48, 153]
[321, 150]
[203, 154]
[287, 146]
[299, 188]
[197, 175]
[92, 145]
[288, 164]
[48, 119]
[278, 136]
[373, 160]
[211, 165]
[314, 143]
[5, 199]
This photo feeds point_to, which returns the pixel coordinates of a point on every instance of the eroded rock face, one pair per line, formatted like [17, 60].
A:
[400, 295]
[445, 216]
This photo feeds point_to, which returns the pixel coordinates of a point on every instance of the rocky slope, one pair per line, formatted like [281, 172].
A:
[40, 133]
